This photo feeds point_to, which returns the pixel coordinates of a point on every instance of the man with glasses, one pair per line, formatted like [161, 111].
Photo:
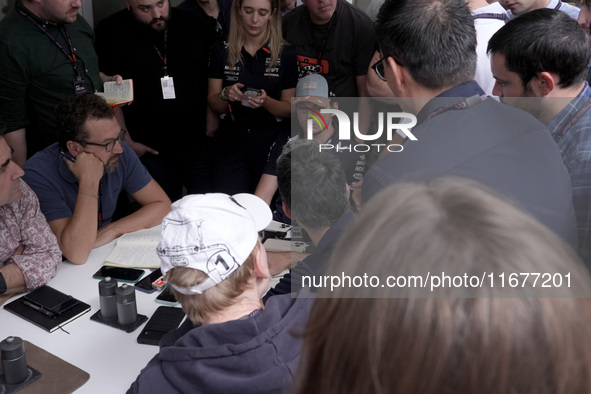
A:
[79, 179]
[460, 131]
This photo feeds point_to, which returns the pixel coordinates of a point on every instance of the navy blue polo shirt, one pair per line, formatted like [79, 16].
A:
[57, 188]
[253, 73]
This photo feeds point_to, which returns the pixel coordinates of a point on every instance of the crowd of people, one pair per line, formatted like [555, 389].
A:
[237, 119]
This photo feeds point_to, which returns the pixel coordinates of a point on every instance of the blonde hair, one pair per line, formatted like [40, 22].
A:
[215, 299]
[236, 36]
[487, 345]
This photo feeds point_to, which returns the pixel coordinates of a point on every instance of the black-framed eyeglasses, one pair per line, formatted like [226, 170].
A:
[108, 145]
[378, 67]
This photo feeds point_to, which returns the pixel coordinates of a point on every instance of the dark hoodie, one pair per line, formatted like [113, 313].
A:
[255, 355]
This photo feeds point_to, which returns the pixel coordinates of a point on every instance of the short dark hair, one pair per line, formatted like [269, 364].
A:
[434, 39]
[74, 111]
[312, 184]
[543, 40]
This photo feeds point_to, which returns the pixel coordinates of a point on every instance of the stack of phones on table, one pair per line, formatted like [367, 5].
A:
[147, 285]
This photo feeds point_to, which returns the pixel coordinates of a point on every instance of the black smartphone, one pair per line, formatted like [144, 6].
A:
[164, 320]
[145, 284]
[166, 297]
[130, 275]
[50, 299]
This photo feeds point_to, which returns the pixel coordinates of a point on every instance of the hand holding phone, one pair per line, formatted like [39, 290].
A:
[248, 94]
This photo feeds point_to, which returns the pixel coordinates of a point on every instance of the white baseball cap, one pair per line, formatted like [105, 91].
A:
[213, 233]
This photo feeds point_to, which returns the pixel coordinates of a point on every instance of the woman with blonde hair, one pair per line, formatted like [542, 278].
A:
[503, 337]
[251, 82]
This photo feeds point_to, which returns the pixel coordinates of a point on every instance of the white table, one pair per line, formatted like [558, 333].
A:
[112, 357]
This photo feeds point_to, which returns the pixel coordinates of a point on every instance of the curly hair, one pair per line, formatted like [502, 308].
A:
[73, 112]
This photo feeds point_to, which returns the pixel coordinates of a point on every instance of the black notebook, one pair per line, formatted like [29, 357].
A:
[48, 308]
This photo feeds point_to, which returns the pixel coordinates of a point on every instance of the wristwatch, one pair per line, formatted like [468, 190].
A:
[224, 94]
[3, 287]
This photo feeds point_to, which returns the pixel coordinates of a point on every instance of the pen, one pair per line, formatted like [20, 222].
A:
[68, 156]
[39, 309]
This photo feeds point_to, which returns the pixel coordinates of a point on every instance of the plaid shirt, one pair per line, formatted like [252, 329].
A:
[575, 147]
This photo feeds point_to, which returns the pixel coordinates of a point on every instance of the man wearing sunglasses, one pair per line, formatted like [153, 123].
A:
[460, 131]
[78, 179]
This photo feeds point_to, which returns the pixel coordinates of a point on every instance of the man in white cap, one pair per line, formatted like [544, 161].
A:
[217, 268]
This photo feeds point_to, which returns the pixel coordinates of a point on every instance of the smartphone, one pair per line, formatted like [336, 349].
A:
[167, 297]
[251, 91]
[163, 321]
[248, 93]
[130, 275]
[145, 284]
[51, 300]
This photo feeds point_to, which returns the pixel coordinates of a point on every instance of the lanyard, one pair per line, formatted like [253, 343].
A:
[221, 20]
[330, 23]
[464, 104]
[489, 15]
[573, 120]
[163, 58]
[558, 5]
[71, 56]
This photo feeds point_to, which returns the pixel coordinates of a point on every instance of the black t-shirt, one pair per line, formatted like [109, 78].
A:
[349, 46]
[221, 24]
[254, 74]
[127, 47]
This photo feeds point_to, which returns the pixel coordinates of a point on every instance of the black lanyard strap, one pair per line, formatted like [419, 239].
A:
[71, 56]
[464, 104]
[490, 15]
[163, 57]
[330, 23]
[573, 121]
